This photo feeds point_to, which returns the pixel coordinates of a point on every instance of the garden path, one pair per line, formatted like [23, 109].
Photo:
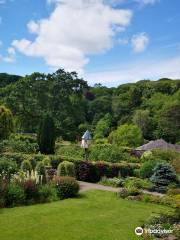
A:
[85, 186]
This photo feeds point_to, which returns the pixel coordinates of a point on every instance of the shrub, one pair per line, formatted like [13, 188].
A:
[7, 168]
[14, 196]
[163, 175]
[114, 182]
[55, 161]
[123, 193]
[138, 183]
[26, 166]
[46, 161]
[147, 156]
[31, 191]
[47, 193]
[40, 168]
[15, 157]
[133, 191]
[87, 171]
[33, 162]
[165, 155]
[50, 174]
[173, 191]
[67, 187]
[66, 169]
[146, 169]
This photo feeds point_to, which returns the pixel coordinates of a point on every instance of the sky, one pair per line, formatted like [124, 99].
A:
[106, 41]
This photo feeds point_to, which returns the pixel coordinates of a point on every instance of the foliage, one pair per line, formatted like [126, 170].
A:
[14, 196]
[40, 168]
[6, 123]
[31, 191]
[7, 168]
[114, 182]
[66, 169]
[87, 171]
[46, 161]
[46, 135]
[147, 155]
[103, 126]
[138, 183]
[127, 135]
[67, 187]
[163, 175]
[47, 193]
[146, 169]
[26, 166]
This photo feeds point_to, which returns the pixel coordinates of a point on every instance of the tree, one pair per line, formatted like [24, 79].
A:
[142, 120]
[103, 127]
[6, 123]
[163, 175]
[127, 135]
[46, 135]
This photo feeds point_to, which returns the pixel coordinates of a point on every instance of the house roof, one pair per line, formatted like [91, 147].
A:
[160, 143]
[87, 135]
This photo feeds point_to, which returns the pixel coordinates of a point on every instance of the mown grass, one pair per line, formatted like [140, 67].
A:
[94, 215]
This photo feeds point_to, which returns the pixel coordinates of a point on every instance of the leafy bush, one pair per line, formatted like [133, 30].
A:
[66, 169]
[6, 122]
[7, 168]
[31, 191]
[123, 193]
[138, 183]
[55, 160]
[173, 191]
[163, 175]
[47, 193]
[50, 174]
[133, 191]
[33, 162]
[87, 171]
[41, 170]
[15, 157]
[46, 161]
[108, 153]
[147, 156]
[146, 169]
[26, 166]
[114, 182]
[14, 196]
[67, 187]
[68, 150]
[165, 155]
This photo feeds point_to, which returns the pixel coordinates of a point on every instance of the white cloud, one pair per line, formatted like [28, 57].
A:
[137, 71]
[74, 30]
[139, 42]
[123, 41]
[10, 58]
[146, 2]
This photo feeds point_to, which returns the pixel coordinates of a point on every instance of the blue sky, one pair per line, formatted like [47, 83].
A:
[106, 41]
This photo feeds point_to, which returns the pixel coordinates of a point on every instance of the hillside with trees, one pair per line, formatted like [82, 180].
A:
[153, 107]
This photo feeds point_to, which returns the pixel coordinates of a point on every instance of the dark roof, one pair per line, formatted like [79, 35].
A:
[160, 143]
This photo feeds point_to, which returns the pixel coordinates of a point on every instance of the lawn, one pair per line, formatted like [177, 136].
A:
[95, 215]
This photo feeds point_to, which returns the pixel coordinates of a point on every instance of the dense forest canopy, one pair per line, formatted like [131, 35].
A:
[154, 106]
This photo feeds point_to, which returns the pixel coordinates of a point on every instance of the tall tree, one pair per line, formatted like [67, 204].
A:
[46, 135]
[6, 122]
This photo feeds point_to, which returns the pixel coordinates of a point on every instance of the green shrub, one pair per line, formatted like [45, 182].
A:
[41, 170]
[47, 193]
[173, 191]
[46, 161]
[15, 157]
[138, 183]
[114, 182]
[26, 166]
[146, 169]
[7, 167]
[165, 155]
[69, 150]
[133, 191]
[67, 187]
[163, 175]
[33, 162]
[147, 156]
[66, 169]
[15, 195]
[6, 122]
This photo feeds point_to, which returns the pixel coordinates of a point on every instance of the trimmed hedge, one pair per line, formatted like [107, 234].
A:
[94, 171]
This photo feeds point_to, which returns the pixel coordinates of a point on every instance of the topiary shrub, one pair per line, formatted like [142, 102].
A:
[41, 170]
[26, 166]
[147, 156]
[163, 175]
[66, 169]
[55, 160]
[14, 196]
[66, 187]
[7, 168]
[33, 162]
[87, 171]
[46, 161]
[6, 123]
